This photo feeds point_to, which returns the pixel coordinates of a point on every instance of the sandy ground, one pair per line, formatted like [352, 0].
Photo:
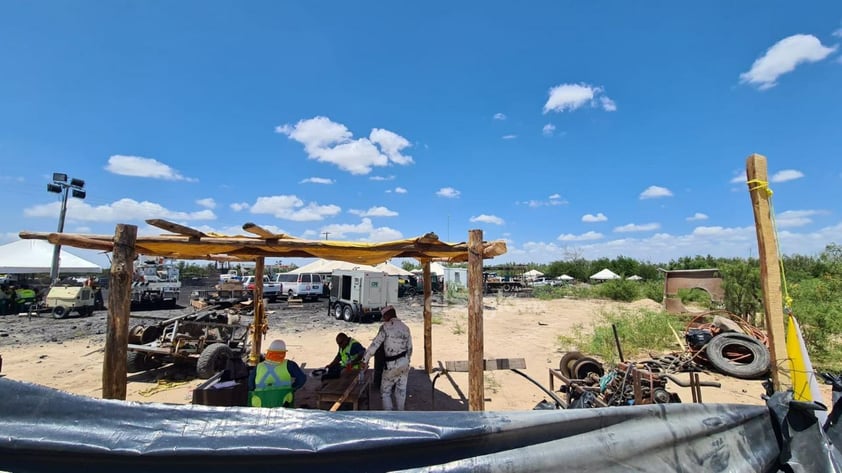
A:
[70, 358]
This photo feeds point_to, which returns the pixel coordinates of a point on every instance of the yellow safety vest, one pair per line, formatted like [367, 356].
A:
[345, 355]
[272, 385]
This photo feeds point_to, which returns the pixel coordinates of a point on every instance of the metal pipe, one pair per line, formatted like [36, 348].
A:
[57, 247]
[617, 341]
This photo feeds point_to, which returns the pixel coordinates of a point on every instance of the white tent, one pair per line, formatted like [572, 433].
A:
[565, 277]
[328, 266]
[532, 274]
[605, 275]
[392, 270]
[36, 256]
[635, 278]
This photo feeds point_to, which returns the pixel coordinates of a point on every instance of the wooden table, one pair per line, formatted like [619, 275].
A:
[346, 388]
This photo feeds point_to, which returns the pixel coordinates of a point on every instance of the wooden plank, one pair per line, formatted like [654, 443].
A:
[476, 347]
[175, 228]
[260, 231]
[770, 270]
[489, 364]
[351, 387]
[428, 317]
[114, 375]
[259, 326]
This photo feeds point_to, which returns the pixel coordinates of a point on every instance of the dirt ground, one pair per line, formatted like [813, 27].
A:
[67, 354]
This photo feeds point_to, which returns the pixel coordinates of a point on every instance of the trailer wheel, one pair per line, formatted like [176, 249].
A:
[337, 310]
[137, 361]
[213, 360]
[738, 355]
[507, 288]
[585, 366]
[348, 313]
[60, 312]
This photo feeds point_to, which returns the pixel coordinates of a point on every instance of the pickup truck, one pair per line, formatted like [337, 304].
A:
[271, 289]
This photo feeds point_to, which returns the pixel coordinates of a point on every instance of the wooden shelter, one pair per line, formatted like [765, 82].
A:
[188, 243]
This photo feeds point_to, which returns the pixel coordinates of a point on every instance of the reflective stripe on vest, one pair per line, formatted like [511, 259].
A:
[345, 354]
[276, 378]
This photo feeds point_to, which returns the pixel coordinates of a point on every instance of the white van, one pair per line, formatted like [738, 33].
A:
[304, 285]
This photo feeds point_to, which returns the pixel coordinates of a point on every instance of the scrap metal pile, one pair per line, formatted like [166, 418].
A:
[715, 340]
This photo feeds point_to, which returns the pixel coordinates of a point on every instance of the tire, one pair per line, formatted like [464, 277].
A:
[137, 361]
[507, 288]
[586, 365]
[213, 360]
[348, 313]
[337, 310]
[567, 361]
[60, 312]
[411, 292]
[290, 294]
[738, 355]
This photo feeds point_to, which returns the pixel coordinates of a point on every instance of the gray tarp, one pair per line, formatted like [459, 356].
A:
[42, 429]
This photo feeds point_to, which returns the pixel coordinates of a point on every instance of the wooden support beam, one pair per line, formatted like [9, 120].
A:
[259, 326]
[476, 346]
[260, 231]
[114, 375]
[175, 228]
[770, 270]
[428, 317]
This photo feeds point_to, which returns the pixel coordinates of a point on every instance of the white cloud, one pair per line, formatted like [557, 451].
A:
[488, 219]
[374, 212]
[787, 175]
[740, 178]
[381, 178]
[364, 228]
[137, 166]
[290, 207]
[499, 116]
[509, 137]
[238, 206]
[119, 211]
[607, 104]
[633, 227]
[207, 203]
[316, 180]
[796, 218]
[17, 179]
[569, 97]
[400, 190]
[554, 200]
[600, 217]
[548, 129]
[331, 142]
[588, 236]
[448, 192]
[837, 33]
[654, 192]
[696, 217]
[783, 57]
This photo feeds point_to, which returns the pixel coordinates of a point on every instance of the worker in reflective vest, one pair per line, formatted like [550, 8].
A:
[274, 381]
[24, 296]
[349, 355]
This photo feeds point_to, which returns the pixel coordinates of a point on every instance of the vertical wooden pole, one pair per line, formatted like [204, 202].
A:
[770, 270]
[259, 327]
[428, 317]
[476, 348]
[119, 310]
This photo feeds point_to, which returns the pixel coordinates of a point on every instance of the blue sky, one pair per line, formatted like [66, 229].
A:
[587, 128]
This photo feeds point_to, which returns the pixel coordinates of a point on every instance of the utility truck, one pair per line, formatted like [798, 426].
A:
[156, 282]
[357, 296]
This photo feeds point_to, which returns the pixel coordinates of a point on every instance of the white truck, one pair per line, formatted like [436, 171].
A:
[156, 282]
[271, 289]
[360, 295]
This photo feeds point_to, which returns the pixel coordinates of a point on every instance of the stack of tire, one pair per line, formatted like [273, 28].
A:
[575, 365]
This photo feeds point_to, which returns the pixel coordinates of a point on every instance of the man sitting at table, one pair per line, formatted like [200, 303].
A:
[348, 357]
[274, 381]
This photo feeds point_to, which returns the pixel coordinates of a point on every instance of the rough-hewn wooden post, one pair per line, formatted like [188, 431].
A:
[476, 348]
[770, 270]
[259, 324]
[119, 309]
[428, 317]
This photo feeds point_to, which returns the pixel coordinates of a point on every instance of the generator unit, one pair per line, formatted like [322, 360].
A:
[358, 296]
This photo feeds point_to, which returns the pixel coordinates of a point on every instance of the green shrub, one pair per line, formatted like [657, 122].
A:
[641, 332]
[818, 308]
[694, 296]
[619, 290]
[652, 290]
